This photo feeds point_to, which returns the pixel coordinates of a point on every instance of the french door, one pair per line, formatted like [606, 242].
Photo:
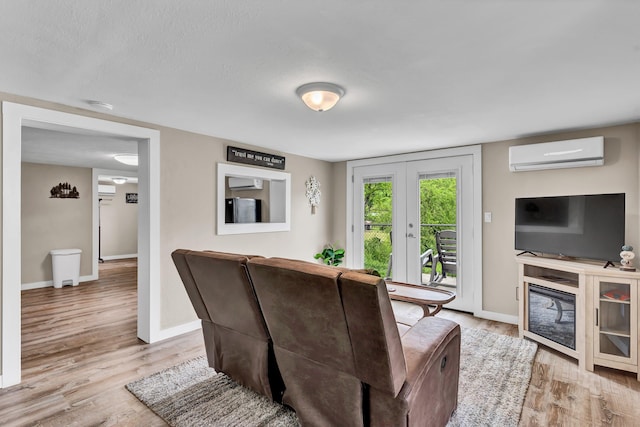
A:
[399, 207]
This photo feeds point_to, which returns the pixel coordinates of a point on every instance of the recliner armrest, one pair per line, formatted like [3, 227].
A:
[429, 394]
[423, 344]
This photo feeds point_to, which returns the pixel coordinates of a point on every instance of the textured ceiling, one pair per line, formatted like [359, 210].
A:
[55, 147]
[418, 75]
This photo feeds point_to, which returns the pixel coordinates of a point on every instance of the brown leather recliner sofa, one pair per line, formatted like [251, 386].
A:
[338, 351]
[236, 338]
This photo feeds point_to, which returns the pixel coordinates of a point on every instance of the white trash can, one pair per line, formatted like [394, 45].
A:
[66, 266]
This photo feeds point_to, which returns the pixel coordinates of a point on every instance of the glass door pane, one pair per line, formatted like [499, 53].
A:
[438, 213]
[378, 229]
[615, 319]
[379, 220]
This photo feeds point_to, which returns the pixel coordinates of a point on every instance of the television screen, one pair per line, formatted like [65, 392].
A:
[583, 226]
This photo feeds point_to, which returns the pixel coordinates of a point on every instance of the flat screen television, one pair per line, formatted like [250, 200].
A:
[581, 226]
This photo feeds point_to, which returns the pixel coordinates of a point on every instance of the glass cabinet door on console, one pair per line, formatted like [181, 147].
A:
[616, 323]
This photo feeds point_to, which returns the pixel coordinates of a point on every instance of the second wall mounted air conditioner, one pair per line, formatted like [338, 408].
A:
[245, 183]
[106, 190]
[570, 153]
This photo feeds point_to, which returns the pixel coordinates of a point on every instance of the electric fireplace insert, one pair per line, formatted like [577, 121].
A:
[552, 315]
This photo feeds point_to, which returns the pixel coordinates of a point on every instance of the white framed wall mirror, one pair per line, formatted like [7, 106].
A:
[252, 200]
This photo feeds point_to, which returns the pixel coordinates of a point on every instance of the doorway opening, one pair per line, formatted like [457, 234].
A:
[117, 215]
[15, 116]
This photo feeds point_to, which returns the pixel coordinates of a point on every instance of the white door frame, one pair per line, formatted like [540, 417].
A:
[14, 116]
[476, 154]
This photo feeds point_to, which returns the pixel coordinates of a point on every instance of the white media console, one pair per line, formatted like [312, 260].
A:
[581, 309]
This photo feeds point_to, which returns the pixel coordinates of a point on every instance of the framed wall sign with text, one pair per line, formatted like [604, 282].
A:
[255, 158]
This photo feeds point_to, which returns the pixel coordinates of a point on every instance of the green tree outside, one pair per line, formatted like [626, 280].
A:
[378, 211]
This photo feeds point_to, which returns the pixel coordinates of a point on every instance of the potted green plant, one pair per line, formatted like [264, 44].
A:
[330, 255]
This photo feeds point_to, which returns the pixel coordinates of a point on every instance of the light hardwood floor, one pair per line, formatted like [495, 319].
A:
[80, 349]
[561, 394]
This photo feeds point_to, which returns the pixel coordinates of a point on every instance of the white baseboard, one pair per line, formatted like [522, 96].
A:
[498, 317]
[112, 257]
[47, 283]
[178, 330]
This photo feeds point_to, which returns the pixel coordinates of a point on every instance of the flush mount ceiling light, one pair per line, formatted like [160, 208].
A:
[320, 96]
[100, 104]
[127, 159]
[119, 180]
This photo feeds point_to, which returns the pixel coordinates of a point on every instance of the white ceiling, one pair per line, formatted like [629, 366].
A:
[418, 74]
[71, 148]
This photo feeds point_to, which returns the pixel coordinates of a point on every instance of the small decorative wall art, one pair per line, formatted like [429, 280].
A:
[313, 193]
[131, 197]
[64, 191]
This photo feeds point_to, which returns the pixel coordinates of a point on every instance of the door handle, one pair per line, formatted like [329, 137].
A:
[411, 235]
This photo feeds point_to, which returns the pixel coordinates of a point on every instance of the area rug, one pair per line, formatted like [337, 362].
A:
[495, 371]
[494, 375]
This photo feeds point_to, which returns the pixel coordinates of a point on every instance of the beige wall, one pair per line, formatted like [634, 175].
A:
[54, 223]
[119, 223]
[188, 197]
[500, 188]
[188, 219]
[339, 203]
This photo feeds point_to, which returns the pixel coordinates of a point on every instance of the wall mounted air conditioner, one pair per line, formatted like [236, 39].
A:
[571, 153]
[106, 190]
[245, 184]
